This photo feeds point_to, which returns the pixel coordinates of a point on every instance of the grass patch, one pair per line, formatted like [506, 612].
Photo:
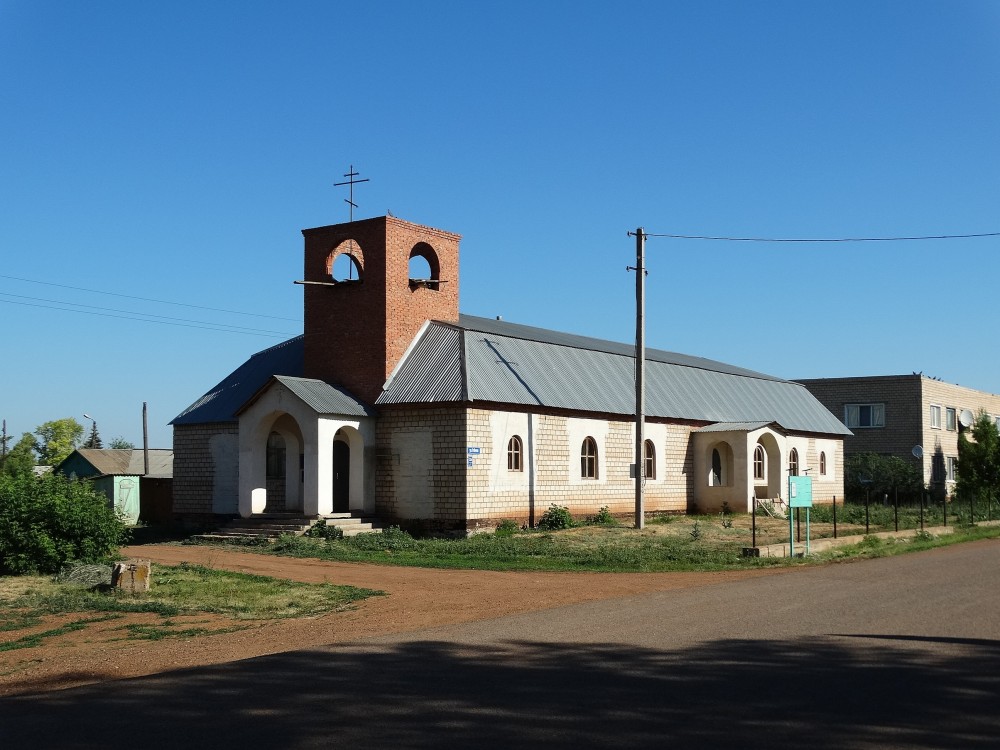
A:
[143, 632]
[184, 589]
[586, 548]
[873, 546]
[191, 588]
[35, 639]
[669, 543]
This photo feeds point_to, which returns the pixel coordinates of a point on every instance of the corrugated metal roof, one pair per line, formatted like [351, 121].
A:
[581, 374]
[438, 373]
[324, 398]
[221, 402]
[129, 461]
[575, 341]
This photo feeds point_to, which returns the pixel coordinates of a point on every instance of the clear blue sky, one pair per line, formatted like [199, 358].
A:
[173, 151]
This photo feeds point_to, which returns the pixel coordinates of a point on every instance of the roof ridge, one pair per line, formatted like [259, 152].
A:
[579, 341]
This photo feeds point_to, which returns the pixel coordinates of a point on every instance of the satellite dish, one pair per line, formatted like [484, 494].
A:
[966, 418]
[918, 451]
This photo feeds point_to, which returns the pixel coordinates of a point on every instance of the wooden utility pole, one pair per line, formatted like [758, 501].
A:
[640, 374]
[145, 442]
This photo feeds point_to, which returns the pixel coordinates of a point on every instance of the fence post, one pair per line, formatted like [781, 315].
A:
[834, 516]
[867, 502]
[895, 506]
[921, 511]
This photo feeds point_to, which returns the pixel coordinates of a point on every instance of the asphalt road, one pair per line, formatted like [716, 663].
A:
[901, 652]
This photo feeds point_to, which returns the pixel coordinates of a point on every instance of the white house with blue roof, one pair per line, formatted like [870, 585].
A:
[393, 404]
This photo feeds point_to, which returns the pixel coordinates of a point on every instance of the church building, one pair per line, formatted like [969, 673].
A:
[394, 405]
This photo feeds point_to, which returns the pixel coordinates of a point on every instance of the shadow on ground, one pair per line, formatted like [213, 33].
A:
[834, 692]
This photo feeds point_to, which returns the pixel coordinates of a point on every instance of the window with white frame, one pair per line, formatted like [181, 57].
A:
[935, 416]
[950, 419]
[864, 415]
[822, 463]
[952, 465]
[758, 462]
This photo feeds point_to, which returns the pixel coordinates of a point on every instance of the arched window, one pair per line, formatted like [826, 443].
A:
[275, 456]
[758, 462]
[514, 454]
[716, 468]
[793, 463]
[649, 460]
[588, 459]
[822, 464]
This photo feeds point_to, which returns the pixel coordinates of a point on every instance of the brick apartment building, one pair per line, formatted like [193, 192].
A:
[395, 405]
[893, 414]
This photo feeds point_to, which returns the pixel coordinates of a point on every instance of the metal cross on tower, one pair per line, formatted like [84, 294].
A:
[351, 174]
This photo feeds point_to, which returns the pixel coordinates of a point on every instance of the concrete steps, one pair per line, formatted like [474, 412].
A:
[273, 525]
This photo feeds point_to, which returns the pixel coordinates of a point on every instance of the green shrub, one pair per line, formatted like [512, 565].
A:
[556, 517]
[46, 522]
[604, 517]
[506, 527]
[322, 530]
[392, 538]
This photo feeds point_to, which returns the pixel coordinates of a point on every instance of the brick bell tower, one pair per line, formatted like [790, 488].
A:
[357, 328]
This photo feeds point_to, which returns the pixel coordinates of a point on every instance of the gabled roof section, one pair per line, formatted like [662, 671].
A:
[494, 361]
[128, 461]
[221, 403]
[318, 395]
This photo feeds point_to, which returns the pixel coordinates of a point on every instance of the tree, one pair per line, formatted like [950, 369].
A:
[121, 443]
[57, 439]
[881, 475]
[46, 522]
[978, 473]
[94, 440]
[20, 459]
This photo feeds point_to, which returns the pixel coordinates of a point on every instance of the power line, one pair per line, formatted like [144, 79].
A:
[151, 317]
[147, 299]
[220, 327]
[823, 239]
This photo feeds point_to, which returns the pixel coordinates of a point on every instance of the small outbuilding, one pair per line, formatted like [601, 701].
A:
[121, 475]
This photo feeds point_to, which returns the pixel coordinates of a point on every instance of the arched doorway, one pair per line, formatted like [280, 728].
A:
[341, 476]
[276, 473]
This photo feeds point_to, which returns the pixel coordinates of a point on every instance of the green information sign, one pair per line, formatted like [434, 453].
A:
[800, 495]
[800, 492]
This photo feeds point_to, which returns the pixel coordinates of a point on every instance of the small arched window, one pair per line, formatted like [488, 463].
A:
[515, 454]
[758, 462]
[822, 463]
[588, 459]
[649, 460]
[793, 463]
